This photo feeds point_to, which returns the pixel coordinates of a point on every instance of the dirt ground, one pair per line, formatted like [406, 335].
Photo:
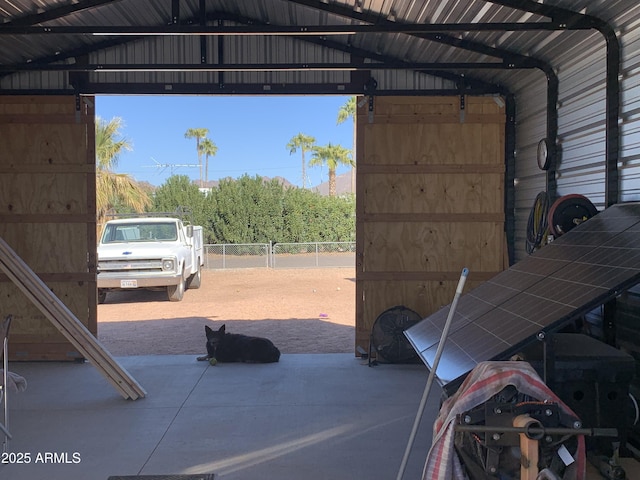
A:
[300, 310]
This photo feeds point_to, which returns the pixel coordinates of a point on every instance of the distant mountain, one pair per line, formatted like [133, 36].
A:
[214, 183]
[147, 187]
[281, 180]
[343, 185]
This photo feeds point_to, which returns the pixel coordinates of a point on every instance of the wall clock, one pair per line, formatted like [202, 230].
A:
[543, 156]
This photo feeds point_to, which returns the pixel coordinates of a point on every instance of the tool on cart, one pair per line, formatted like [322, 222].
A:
[479, 431]
[505, 422]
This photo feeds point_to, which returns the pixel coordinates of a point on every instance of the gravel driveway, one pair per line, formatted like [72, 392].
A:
[300, 310]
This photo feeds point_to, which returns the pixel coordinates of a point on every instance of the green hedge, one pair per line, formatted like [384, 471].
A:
[252, 210]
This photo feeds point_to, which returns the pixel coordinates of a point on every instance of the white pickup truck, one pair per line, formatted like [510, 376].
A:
[151, 253]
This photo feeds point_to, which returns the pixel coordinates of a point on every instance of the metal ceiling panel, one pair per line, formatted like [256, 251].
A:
[403, 47]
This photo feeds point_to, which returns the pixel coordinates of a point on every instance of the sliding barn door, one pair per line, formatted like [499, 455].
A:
[430, 201]
[48, 215]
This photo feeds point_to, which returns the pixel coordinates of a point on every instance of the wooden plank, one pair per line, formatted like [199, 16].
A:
[52, 308]
[51, 247]
[48, 107]
[55, 311]
[431, 169]
[419, 276]
[24, 102]
[415, 106]
[29, 320]
[64, 320]
[48, 144]
[44, 218]
[429, 144]
[434, 110]
[433, 247]
[47, 169]
[528, 448]
[434, 193]
[67, 277]
[438, 119]
[51, 194]
[43, 118]
[458, 117]
[399, 105]
[434, 217]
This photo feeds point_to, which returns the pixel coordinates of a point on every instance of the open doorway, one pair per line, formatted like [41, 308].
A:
[310, 307]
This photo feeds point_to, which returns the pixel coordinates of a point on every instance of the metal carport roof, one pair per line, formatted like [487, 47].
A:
[467, 45]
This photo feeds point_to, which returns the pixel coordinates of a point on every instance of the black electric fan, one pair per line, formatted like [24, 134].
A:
[388, 339]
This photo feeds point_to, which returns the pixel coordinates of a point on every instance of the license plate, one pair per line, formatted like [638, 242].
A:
[128, 284]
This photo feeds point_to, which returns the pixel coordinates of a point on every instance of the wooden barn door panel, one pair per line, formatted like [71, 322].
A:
[430, 201]
[47, 215]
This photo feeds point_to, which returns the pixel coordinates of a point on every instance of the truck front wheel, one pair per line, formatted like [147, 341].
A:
[176, 292]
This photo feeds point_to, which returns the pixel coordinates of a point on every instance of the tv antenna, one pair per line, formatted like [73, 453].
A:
[172, 166]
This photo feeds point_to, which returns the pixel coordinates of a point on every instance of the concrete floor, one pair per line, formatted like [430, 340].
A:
[310, 416]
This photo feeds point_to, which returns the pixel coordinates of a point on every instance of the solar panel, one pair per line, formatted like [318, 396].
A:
[579, 271]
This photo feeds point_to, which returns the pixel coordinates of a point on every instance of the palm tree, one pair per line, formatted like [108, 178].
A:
[305, 143]
[209, 149]
[346, 111]
[114, 189]
[198, 134]
[331, 156]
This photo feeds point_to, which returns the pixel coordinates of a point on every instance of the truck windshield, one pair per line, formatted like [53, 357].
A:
[139, 232]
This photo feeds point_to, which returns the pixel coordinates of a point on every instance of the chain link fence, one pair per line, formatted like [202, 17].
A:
[280, 255]
[246, 255]
[318, 254]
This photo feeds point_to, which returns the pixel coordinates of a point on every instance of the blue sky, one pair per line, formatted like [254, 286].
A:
[251, 134]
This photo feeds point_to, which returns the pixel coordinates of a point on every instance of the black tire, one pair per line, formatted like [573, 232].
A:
[176, 292]
[195, 280]
[102, 296]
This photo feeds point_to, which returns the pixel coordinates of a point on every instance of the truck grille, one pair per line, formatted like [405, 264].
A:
[154, 265]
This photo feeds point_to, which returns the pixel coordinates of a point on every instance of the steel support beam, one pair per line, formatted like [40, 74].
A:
[265, 30]
[612, 113]
[581, 21]
[58, 12]
[325, 41]
[510, 174]
[262, 67]
[552, 134]
[352, 88]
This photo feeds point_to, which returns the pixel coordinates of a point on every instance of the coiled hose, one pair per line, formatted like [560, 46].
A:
[538, 225]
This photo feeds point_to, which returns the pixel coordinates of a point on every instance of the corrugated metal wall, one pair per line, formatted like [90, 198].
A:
[530, 128]
[581, 123]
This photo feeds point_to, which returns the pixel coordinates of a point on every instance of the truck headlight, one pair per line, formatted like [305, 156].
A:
[167, 265]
